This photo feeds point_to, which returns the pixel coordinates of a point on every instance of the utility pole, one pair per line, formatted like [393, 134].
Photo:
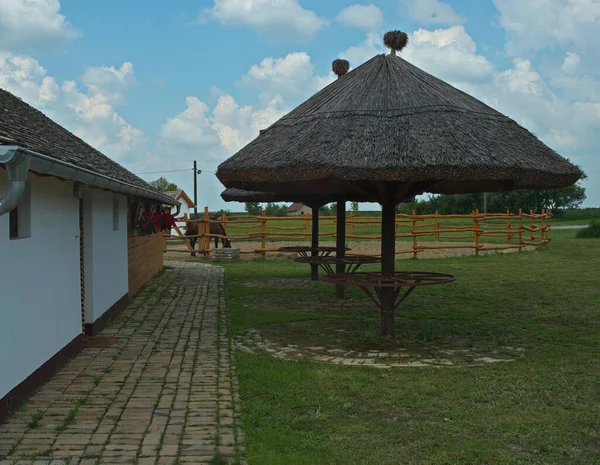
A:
[195, 190]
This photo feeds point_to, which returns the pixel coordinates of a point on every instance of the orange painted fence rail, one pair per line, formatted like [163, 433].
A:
[516, 230]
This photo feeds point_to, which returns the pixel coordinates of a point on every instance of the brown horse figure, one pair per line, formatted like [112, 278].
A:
[191, 229]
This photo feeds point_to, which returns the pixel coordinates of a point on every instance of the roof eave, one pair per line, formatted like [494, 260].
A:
[44, 164]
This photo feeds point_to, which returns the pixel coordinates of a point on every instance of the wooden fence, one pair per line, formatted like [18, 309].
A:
[477, 231]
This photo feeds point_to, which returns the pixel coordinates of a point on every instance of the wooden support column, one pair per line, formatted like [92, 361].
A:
[388, 268]
[314, 269]
[340, 245]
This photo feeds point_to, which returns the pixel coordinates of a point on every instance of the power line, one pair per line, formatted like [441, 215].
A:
[174, 171]
[171, 171]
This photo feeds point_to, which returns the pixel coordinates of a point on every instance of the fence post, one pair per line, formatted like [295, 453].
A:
[207, 237]
[437, 226]
[351, 224]
[520, 229]
[547, 216]
[531, 225]
[545, 230]
[414, 231]
[263, 233]
[306, 227]
[476, 230]
[508, 225]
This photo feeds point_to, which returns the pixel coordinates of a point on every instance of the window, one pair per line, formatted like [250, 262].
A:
[19, 219]
[115, 213]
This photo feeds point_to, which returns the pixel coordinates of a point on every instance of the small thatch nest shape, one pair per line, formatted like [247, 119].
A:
[340, 67]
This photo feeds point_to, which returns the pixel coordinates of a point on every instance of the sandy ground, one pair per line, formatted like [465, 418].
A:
[178, 252]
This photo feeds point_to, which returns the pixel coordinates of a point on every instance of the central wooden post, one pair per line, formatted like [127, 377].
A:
[314, 268]
[388, 258]
[340, 245]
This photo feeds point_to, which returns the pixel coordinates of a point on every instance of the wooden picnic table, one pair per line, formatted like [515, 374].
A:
[409, 280]
[306, 251]
[329, 262]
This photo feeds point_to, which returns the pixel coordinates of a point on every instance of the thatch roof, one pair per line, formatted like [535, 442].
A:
[388, 130]
[233, 194]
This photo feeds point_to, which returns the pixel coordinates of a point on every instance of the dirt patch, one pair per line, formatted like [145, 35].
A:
[419, 343]
[247, 248]
[316, 304]
[277, 283]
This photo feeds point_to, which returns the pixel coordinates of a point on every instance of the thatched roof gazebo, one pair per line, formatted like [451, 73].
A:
[388, 131]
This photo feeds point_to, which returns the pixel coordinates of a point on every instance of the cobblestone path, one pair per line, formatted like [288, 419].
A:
[163, 392]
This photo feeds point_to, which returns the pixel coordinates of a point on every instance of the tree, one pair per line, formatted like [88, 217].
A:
[274, 209]
[354, 206]
[163, 185]
[253, 208]
[328, 210]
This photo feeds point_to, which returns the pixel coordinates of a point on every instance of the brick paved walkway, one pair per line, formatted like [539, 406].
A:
[164, 393]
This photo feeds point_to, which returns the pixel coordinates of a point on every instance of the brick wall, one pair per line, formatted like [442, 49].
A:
[145, 254]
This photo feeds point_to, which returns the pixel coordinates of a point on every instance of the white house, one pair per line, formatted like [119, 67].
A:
[186, 207]
[299, 209]
[69, 258]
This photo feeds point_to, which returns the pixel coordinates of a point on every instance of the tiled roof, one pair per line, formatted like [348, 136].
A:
[294, 207]
[173, 194]
[23, 125]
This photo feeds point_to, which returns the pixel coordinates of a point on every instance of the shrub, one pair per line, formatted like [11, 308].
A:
[593, 230]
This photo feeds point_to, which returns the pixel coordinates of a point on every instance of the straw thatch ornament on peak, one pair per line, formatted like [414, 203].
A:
[385, 132]
[340, 67]
[395, 41]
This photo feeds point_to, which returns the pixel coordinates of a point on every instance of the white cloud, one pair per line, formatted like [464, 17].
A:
[109, 80]
[368, 17]
[571, 63]
[291, 78]
[28, 25]
[538, 24]
[90, 115]
[273, 19]
[367, 49]
[191, 127]
[450, 54]
[431, 12]
[23, 76]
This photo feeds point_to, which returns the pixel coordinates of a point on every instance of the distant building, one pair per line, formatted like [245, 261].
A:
[299, 209]
[187, 207]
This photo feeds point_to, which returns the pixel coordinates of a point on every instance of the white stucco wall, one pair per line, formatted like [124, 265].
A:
[40, 306]
[185, 209]
[106, 267]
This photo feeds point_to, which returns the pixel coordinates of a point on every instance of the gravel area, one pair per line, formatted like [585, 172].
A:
[363, 247]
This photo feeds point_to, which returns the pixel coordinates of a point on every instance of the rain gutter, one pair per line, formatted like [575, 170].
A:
[19, 160]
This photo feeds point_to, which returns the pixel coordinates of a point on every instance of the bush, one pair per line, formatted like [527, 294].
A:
[593, 230]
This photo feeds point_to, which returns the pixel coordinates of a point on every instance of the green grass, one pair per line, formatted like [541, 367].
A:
[34, 421]
[542, 408]
[592, 231]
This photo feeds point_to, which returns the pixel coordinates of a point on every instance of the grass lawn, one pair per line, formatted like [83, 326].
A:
[541, 408]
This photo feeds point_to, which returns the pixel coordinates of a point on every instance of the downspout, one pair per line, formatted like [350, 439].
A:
[17, 166]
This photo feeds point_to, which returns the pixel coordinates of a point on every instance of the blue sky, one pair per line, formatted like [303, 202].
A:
[155, 85]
